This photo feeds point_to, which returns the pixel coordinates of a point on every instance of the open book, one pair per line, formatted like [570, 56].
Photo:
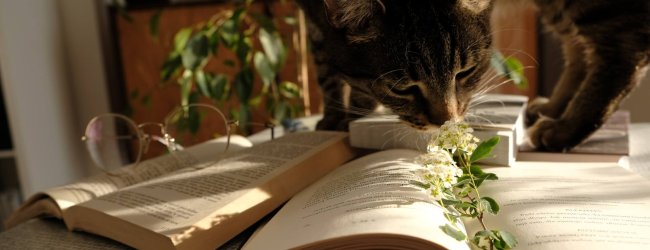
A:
[158, 206]
[372, 203]
[489, 115]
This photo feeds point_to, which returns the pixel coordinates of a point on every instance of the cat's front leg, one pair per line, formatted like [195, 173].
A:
[572, 76]
[611, 76]
[334, 110]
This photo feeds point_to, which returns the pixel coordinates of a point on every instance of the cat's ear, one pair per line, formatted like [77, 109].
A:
[359, 18]
[475, 6]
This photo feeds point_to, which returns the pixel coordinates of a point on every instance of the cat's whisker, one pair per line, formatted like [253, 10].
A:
[489, 88]
[484, 119]
[372, 84]
[521, 52]
[393, 86]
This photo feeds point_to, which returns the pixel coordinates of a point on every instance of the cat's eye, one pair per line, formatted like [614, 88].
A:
[412, 90]
[465, 72]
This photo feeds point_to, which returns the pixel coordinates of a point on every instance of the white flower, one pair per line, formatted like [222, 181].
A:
[454, 136]
[440, 171]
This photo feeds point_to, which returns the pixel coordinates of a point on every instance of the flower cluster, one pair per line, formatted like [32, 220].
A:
[440, 171]
[455, 136]
[451, 178]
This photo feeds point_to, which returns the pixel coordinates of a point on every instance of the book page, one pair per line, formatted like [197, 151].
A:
[98, 185]
[571, 206]
[174, 204]
[372, 198]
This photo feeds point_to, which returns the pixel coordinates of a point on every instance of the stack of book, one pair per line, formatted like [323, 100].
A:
[489, 116]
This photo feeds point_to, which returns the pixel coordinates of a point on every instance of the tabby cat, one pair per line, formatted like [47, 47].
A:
[424, 59]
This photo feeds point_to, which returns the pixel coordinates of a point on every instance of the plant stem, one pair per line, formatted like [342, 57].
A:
[480, 220]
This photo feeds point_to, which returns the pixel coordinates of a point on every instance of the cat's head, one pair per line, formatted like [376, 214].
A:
[423, 59]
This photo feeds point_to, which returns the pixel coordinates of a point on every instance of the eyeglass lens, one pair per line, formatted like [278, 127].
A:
[112, 141]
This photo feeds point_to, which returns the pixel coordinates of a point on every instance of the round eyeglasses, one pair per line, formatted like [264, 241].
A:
[107, 135]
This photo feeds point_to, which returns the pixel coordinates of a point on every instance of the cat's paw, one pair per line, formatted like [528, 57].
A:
[327, 124]
[553, 135]
[536, 109]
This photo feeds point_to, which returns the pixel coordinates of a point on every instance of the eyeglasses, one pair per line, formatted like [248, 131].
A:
[107, 134]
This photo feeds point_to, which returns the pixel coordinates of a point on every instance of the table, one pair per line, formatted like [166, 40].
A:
[52, 234]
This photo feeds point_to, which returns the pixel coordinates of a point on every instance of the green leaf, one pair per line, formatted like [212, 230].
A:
[273, 47]
[280, 111]
[462, 182]
[181, 38]
[507, 238]
[194, 120]
[485, 233]
[186, 87]
[154, 23]
[453, 232]
[255, 101]
[229, 30]
[243, 49]
[475, 170]
[464, 191]
[244, 117]
[243, 84]
[490, 176]
[516, 72]
[196, 51]
[264, 68]
[484, 149]
[289, 90]
[483, 177]
[202, 80]
[264, 21]
[497, 62]
[219, 87]
[448, 202]
[171, 66]
[213, 39]
[419, 184]
[489, 205]
[229, 33]
[510, 67]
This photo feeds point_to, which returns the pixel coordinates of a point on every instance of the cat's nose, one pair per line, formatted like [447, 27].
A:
[441, 110]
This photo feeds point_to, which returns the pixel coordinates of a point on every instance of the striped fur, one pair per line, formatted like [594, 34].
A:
[606, 46]
[425, 59]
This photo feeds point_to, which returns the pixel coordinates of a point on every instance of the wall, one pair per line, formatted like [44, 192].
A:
[51, 75]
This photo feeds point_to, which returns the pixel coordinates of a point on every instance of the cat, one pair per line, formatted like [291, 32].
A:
[425, 61]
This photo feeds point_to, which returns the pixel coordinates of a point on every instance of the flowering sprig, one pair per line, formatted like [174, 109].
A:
[451, 178]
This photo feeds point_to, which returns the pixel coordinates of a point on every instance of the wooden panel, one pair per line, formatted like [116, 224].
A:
[514, 27]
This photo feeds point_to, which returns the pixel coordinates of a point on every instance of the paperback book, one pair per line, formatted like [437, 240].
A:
[489, 116]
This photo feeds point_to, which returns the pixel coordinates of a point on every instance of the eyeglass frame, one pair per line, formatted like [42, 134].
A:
[167, 140]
